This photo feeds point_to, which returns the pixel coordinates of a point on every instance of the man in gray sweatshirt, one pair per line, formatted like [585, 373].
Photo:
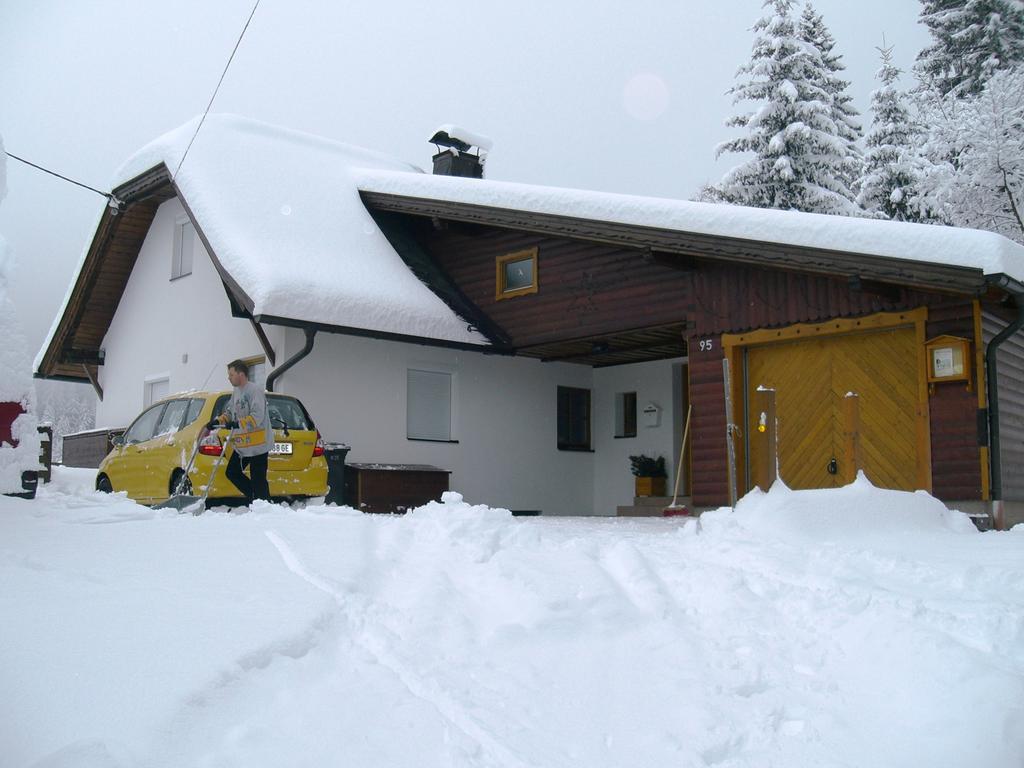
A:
[253, 438]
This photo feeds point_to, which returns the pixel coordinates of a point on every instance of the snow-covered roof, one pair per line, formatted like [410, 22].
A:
[283, 217]
[450, 131]
[989, 252]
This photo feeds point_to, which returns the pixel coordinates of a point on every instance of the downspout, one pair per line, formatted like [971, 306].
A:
[1015, 289]
[306, 349]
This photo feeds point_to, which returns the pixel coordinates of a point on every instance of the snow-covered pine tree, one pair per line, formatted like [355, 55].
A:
[798, 156]
[973, 40]
[892, 169]
[846, 117]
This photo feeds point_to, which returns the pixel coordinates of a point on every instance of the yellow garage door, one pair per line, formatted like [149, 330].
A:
[811, 377]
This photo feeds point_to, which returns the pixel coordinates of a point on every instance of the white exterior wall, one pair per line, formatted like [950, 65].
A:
[655, 382]
[504, 417]
[504, 409]
[177, 329]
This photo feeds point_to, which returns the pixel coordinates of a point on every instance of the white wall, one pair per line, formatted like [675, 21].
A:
[653, 383]
[504, 411]
[504, 418]
[180, 329]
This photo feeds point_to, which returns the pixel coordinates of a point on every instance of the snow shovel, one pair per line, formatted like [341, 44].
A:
[674, 509]
[187, 502]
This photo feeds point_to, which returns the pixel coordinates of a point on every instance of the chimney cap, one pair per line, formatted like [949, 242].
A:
[449, 135]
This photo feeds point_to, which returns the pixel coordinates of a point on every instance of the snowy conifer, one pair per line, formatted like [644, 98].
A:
[892, 172]
[973, 40]
[846, 117]
[798, 156]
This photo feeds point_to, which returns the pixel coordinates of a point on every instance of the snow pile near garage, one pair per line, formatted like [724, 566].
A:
[851, 513]
[461, 636]
[987, 251]
[15, 365]
[283, 216]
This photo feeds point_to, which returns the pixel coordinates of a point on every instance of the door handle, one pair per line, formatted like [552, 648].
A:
[833, 467]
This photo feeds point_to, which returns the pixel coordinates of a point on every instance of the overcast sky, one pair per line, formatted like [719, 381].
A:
[597, 94]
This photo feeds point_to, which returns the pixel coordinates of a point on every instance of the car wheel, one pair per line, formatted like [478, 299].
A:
[179, 479]
[103, 484]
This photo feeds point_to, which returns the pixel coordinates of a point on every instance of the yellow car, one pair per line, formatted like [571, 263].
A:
[150, 459]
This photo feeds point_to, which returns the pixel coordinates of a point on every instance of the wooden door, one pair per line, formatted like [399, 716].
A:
[812, 377]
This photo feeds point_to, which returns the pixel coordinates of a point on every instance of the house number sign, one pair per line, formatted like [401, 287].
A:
[706, 345]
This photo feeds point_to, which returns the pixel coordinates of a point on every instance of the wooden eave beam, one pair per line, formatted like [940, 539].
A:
[611, 351]
[423, 265]
[905, 272]
[289, 322]
[93, 378]
[682, 262]
[81, 357]
[887, 291]
[268, 349]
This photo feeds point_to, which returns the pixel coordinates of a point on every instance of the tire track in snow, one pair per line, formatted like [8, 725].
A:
[445, 706]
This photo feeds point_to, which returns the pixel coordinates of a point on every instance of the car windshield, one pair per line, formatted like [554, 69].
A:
[144, 426]
[170, 422]
[284, 412]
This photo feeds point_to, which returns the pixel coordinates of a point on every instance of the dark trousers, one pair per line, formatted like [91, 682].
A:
[255, 486]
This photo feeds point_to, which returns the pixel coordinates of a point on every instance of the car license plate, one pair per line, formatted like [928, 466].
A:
[282, 449]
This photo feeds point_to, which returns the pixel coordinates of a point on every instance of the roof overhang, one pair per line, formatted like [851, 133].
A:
[73, 351]
[74, 344]
[692, 245]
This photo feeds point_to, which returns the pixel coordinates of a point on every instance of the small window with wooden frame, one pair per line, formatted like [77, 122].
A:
[515, 274]
[573, 419]
[625, 414]
[184, 248]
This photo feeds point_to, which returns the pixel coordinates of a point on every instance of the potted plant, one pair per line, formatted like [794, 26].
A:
[650, 475]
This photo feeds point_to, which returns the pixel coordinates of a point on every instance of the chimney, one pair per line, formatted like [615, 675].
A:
[457, 160]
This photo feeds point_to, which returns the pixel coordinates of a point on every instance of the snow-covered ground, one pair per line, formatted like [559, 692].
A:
[854, 627]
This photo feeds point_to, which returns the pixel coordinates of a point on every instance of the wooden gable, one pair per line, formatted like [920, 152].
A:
[73, 353]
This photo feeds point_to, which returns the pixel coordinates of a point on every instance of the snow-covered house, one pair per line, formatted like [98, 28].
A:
[530, 339]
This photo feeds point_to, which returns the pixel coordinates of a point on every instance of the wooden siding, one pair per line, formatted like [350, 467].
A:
[584, 290]
[731, 299]
[1010, 371]
[953, 409]
[588, 291]
[708, 461]
[724, 248]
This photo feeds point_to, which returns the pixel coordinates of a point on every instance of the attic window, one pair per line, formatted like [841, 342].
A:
[516, 274]
[184, 245]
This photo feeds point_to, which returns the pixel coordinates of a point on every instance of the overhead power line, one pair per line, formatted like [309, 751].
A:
[112, 201]
[115, 204]
[215, 90]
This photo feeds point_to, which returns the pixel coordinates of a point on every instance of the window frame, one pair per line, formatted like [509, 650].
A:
[566, 395]
[628, 414]
[159, 407]
[147, 389]
[451, 403]
[499, 274]
[177, 260]
[181, 417]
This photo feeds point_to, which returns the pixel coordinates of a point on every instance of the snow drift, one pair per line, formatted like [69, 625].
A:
[854, 627]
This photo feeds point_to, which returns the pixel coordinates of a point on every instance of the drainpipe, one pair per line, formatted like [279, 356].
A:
[306, 349]
[1016, 289]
